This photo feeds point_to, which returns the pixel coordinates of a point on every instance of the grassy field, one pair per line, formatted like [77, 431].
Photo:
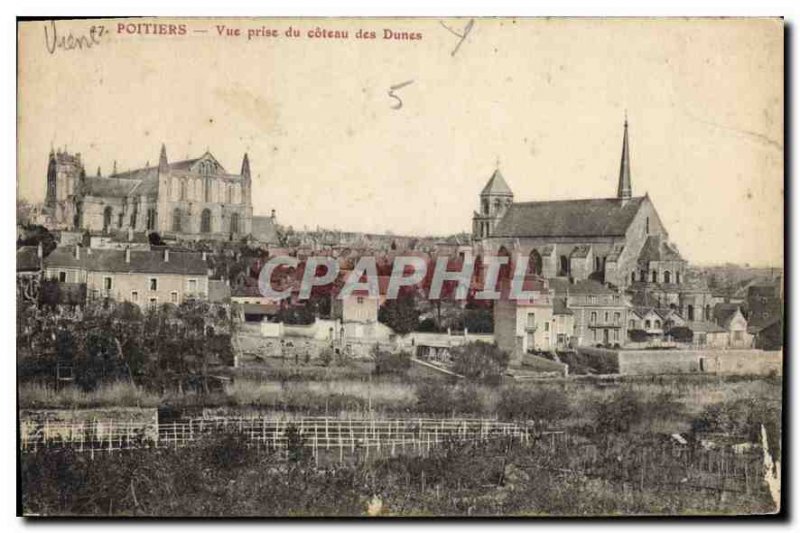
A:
[606, 419]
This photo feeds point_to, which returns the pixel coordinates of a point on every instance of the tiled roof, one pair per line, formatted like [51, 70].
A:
[724, 312]
[110, 187]
[141, 261]
[601, 217]
[657, 249]
[562, 286]
[497, 185]
[560, 307]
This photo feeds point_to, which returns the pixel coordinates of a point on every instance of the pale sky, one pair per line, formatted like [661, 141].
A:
[545, 98]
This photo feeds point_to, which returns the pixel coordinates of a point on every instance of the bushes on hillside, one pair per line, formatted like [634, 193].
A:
[389, 363]
[532, 403]
[480, 361]
[436, 398]
[620, 413]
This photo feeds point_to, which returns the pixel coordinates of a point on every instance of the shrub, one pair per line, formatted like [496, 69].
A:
[532, 403]
[480, 361]
[433, 398]
[326, 356]
[637, 335]
[681, 334]
[388, 363]
[619, 413]
[400, 314]
[467, 400]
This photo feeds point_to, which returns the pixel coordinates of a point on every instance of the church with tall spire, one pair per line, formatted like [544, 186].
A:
[619, 241]
[192, 198]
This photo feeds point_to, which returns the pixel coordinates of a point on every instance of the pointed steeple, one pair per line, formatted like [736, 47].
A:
[497, 186]
[163, 165]
[624, 190]
[245, 167]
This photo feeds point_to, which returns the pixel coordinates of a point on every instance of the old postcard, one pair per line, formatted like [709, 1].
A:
[400, 267]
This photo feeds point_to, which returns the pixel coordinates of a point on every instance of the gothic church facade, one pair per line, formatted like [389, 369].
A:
[194, 198]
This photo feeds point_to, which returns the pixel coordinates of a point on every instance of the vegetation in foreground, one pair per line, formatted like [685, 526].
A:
[220, 476]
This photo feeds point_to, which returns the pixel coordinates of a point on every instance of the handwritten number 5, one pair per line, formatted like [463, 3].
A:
[394, 88]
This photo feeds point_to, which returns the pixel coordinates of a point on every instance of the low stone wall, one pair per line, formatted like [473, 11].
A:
[756, 362]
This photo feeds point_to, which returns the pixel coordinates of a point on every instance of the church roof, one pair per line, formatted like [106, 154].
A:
[597, 217]
[111, 187]
[497, 185]
[140, 181]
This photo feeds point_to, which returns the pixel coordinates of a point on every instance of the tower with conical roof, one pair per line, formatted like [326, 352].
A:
[495, 198]
[624, 190]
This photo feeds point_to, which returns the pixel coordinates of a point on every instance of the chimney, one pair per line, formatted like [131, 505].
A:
[78, 252]
[166, 255]
[127, 254]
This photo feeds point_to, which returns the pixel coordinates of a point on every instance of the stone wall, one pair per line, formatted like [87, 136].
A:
[740, 362]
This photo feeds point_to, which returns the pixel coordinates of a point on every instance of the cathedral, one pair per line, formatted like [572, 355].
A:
[194, 198]
[619, 241]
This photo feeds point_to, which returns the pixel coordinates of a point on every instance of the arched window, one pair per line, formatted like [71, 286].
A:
[690, 313]
[647, 324]
[207, 189]
[205, 221]
[183, 189]
[485, 206]
[642, 276]
[563, 266]
[497, 205]
[107, 212]
[647, 226]
[678, 278]
[230, 194]
[505, 270]
[666, 276]
[654, 276]
[535, 263]
[631, 324]
[658, 324]
[708, 312]
[597, 264]
[176, 220]
[633, 277]
[151, 218]
[235, 223]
